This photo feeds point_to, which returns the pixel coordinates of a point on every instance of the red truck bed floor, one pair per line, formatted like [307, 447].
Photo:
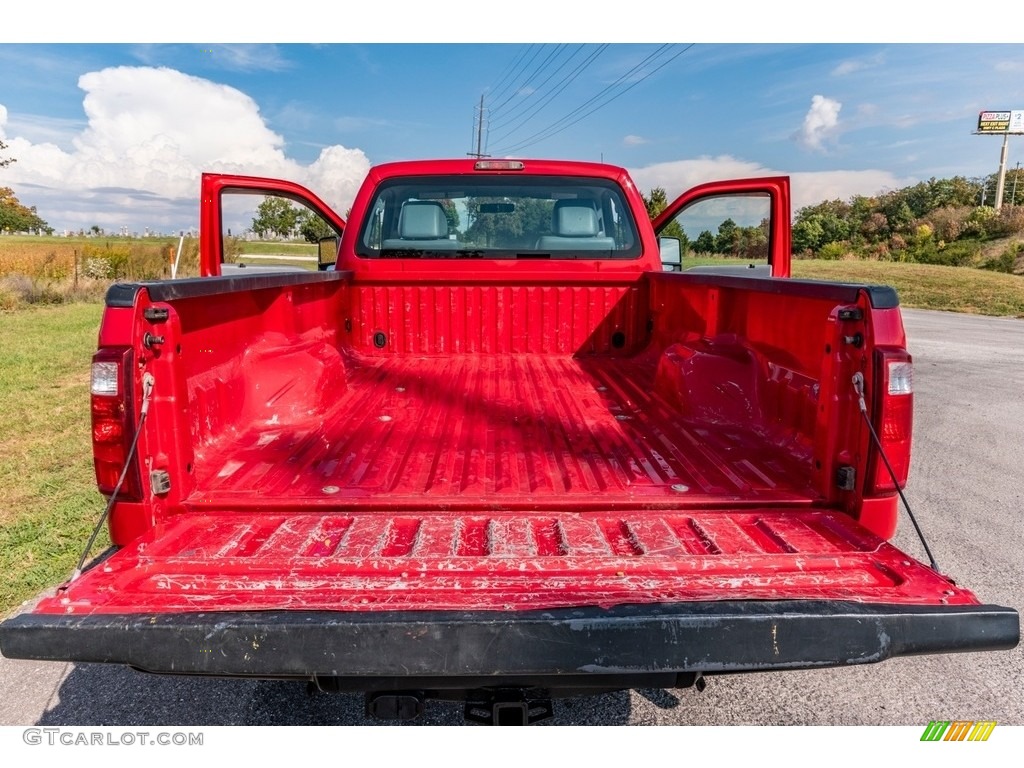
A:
[503, 433]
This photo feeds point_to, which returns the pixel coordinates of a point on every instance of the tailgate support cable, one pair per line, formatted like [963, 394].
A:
[858, 387]
[147, 392]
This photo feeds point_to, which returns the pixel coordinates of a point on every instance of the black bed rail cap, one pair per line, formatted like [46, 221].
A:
[123, 294]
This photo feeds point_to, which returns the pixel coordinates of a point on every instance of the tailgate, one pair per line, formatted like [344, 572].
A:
[451, 594]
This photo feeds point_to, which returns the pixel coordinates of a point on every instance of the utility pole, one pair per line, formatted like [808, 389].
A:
[1001, 183]
[1008, 123]
[479, 132]
[1013, 195]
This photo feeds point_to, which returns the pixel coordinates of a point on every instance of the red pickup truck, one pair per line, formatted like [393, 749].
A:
[498, 453]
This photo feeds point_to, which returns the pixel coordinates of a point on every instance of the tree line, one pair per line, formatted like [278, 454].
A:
[938, 221]
[15, 217]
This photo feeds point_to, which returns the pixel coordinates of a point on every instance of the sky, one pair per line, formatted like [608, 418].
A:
[116, 133]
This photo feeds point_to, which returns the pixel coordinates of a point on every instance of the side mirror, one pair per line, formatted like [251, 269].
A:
[327, 252]
[671, 258]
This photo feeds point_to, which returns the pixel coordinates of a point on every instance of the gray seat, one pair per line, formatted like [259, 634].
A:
[422, 225]
[576, 226]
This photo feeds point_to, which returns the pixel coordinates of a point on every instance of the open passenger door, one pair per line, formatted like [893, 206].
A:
[211, 213]
[740, 219]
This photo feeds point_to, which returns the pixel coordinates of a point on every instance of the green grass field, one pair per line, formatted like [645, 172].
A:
[924, 286]
[48, 500]
[50, 243]
[288, 249]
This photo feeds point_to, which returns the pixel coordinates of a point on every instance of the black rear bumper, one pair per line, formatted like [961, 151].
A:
[623, 641]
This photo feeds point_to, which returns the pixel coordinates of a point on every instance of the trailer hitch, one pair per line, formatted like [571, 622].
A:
[508, 707]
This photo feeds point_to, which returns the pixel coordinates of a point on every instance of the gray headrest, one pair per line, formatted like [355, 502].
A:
[575, 218]
[422, 220]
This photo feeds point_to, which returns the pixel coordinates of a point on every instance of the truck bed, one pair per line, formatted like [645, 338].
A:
[448, 509]
[514, 432]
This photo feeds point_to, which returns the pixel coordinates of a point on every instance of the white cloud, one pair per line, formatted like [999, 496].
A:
[634, 141]
[337, 173]
[41, 128]
[238, 57]
[1010, 65]
[820, 122]
[678, 175]
[807, 188]
[850, 66]
[150, 133]
[249, 58]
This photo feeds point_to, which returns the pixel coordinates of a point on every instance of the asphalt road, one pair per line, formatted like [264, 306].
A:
[966, 488]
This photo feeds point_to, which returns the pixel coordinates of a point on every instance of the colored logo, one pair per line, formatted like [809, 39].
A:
[958, 730]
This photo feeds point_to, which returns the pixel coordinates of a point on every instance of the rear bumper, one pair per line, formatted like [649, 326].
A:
[728, 636]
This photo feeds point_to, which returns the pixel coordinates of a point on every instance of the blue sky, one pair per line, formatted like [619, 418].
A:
[116, 134]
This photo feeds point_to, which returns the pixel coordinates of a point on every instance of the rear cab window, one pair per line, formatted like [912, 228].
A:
[498, 217]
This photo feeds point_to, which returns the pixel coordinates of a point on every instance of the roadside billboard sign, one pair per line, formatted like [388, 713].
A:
[1001, 121]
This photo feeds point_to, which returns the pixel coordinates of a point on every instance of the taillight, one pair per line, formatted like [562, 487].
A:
[893, 419]
[113, 421]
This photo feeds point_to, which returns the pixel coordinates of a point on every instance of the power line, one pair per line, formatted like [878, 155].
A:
[548, 132]
[523, 68]
[509, 69]
[525, 106]
[527, 83]
[565, 83]
[658, 51]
